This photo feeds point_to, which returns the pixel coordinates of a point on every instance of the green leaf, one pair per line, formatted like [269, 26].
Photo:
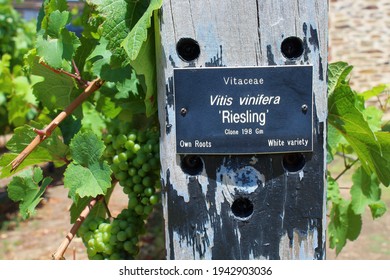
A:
[101, 64]
[338, 226]
[99, 210]
[84, 51]
[333, 190]
[51, 50]
[89, 181]
[47, 8]
[70, 44]
[107, 107]
[378, 209]
[78, 206]
[344, 224]
[27, 188]
[375, 91]
[365, 190]
[56, 22]
[139, 33]
[383, 138]
[373, 116]
[120, 18]
[145, 64]
[86, 148]
[334, 138]
[17, 110]
[56, 91]
[92, 120]
[87, 175]
[349, 121]
[337, 73]
[354, 224]
[69, 127]
[55, 44]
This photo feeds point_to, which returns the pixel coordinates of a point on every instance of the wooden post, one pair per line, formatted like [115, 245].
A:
[266, 205]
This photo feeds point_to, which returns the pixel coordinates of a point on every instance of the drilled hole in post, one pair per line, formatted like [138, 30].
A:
[292, 47]
[242, 207]
[188, 49]
[192, 165]
[294, 162]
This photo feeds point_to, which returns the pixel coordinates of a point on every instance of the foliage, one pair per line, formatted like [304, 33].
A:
[16, 38]
[114, 50]
[357, 134]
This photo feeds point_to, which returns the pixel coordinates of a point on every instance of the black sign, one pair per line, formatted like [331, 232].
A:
[244, 110]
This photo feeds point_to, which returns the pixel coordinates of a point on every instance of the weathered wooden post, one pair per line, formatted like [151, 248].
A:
[242, 107]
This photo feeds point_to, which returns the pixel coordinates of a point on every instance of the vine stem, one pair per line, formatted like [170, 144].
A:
[347, 167]
[47, 131]
[59, 254]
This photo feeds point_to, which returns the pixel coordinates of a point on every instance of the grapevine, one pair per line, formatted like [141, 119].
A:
[89, 103]
[96, 114]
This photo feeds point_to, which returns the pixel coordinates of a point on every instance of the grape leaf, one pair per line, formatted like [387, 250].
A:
[27, 188]
[77, 206]
[55, 44]
[378, 209]
[120, 18]
[107, 107]
[88, 181]
[56, 22]
[84, 51]
[51, 50]
[86, 148]
[365, 190]
[92, 120]
[344, 224]
[333, 190]
[375, 91]
[144, 65]
[102, 66]
[99, 210]
[139, 33]
[373, 116]
[49, 6]
[126, 28]
[337, 73]
[334, 137]
[56, 91]
[87, 175]
[349, 121]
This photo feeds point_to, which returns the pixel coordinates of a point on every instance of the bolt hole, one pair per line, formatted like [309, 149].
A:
[294, 162]
[242, 207]
[192, 165]
[292, 47]
[188, 49]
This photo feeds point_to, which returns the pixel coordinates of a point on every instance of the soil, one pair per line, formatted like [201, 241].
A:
[40, 236]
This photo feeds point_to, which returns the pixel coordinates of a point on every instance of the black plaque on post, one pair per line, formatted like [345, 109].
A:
[244, 110]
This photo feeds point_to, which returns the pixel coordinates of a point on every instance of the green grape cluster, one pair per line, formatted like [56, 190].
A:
[134, 159]
[117, 240]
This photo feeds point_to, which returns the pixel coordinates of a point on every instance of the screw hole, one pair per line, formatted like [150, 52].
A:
[192, 165]
[188, 49]
[242, 207]
[292, 47]
[294, 162]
